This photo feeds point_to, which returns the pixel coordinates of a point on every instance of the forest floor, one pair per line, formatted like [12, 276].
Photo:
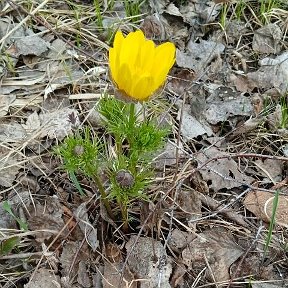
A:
[217, 213]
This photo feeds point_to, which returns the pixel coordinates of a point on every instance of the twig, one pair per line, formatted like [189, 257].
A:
[212, 203]
[25, 255]
[241, 155]
[222, 209]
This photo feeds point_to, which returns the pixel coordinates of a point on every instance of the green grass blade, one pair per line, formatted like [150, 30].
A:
[76, 183]
[6, 206]
[272, 222]
[6, 246]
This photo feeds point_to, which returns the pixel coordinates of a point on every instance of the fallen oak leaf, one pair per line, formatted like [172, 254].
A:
[260, 203]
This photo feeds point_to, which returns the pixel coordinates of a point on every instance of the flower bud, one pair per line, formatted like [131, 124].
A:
[78, 150]
[125, 179]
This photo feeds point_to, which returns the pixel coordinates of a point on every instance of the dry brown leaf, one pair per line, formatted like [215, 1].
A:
[47, 217]
[83, 275]
[5, 102]
[113, 253]
[113, 269]
[198, 55]
[44, 278]
[260, 203]
[178, 275]
[248, 126]
[31, 45]
[149, 261]
[228, 213]
[190, 126]
[112, 276]
[72, 254]
[180, 239]
[226, 169]
[81, 215]
[227, 103]
[168, 157]
[9, 166]
[204, 11]
[216, 247]
[189, 201]
[252, 265]
[153, 28]
[30, 183]
[11, 132]
[271, 169]
[181, 82]
[267, 39]
[6, 25]
[55, 124]
[273, 73]
[234, 30]
[274, 118]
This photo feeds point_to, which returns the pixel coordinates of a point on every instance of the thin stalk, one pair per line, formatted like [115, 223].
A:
[118, 144]
[101, 189]
[132, 123]
[124, 215]
[132, 115]
[272, 222]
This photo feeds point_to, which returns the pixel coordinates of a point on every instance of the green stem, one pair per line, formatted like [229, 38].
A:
[132, 117]
[132, 123]
[124, 215]
[118, 144]
[101, 189]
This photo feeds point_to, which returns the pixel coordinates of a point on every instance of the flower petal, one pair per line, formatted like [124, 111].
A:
[164, 60]
[142, 88]
[131, 48]
[146, 59]
[118, 40]
[165, 54]
[112, 63]
[114, 54]
[125, 79]
[137, 66]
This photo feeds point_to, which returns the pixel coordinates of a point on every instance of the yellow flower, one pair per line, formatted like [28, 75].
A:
[138, 67]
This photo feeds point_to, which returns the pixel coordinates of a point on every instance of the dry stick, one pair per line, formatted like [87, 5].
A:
[25, 255]
[212, 274]
[178, 138]
[212, 203]
[223, 208]
[75, 257]
[163, 260]
[241, 155]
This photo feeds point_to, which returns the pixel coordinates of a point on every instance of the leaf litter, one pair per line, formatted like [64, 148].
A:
[227, 149]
